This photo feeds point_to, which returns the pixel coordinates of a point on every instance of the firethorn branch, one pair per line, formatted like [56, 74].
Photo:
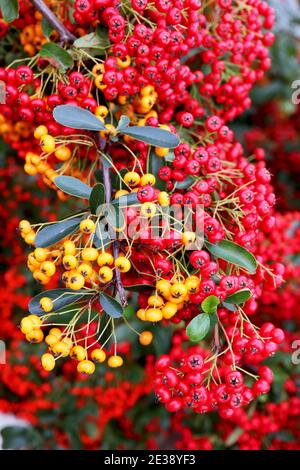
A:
[65, 36]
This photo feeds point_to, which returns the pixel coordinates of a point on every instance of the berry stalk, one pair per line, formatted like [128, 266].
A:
[66, 36]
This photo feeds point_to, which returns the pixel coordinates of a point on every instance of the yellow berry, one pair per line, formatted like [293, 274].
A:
[48, 362]
[30, 169]
[25, 226]
[48, 268]
[121, 192]
[85, 270]
[141, 314]
[60, 348]
[40, 131]
[155, 301]
[101, 111]
[46, 304]
[132, 178]
[161, 151]
[163, 199]
[148, 209]
[87, 226]
[178, 290]
[154, 315]
[146, 338]
[56, 332]
[69, 262]
[147, 90]
[76, 281]
[122, 264]
[30, 238]
[124, 62]
[169, 310]
[105, 259]
[63, 154]
[36, 321]
[35, 336]
[79, 353]
[51, 340]
[148, 178]
[192, 284]
[163, 287]
[188, 238]
[89, 254]
[69, 247]
[40, 254]
[26, 325]
[47, 143]
[105, 274]
[86, 367]
[115, 361]
[41, 277]
[98, 355]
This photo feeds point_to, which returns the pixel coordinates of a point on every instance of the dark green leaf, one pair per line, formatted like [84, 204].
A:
[233, 253]
[89, 41]
[153, 136]
[239, 297]
[9, 9]
[46, 27]
[138, 287]
[210, 304]
[60, 298]
[97, 197]
[111, 306]
[198, 328]
[73, 186]
[154, 163]
[77, 118]
[126, 200]
[186, 183]
[123, 123]
[21, 438]
[98, 175]
[56, 56]
[54, 233]
[230, 307]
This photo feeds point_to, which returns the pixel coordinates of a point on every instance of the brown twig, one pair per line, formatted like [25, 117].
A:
[65, 35]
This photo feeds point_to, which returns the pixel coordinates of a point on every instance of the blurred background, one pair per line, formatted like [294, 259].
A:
[118, 411]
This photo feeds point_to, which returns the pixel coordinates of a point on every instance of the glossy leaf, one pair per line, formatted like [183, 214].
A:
[210, 304]
[60, 298]
[97, 197]
[9, 10]
[54, 233]
[73, 186]
[111, 306]
[233, 253]
[239, 297]
[153, 136]
[138, 287]
[56, 56]
[198, 327]
[47, 28]
[114, 217]
[77, 118]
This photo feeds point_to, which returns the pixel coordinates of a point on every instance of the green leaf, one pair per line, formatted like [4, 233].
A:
[111, 306]
[21, 438]
[126, 200]
[210, 304]
[54, 233]
[198, 328]
[73, 186]
[239, 297]
[186, 183]
[114, 217]
[154, 163]
[102, 237]
[97, 197]
[9, 9]
[60, 298]
[94, 43]
[47, 28]
[88, 41]
[153, 136]
[230, 307]
[233, 253]
[123, 123]
[56, 56]
[77, 118]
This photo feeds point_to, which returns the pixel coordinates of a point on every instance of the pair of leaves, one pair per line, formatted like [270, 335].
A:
[233, 253]
[75, 187]
[78, 118]
[9, 10]
[60, 298]
[56, 56]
